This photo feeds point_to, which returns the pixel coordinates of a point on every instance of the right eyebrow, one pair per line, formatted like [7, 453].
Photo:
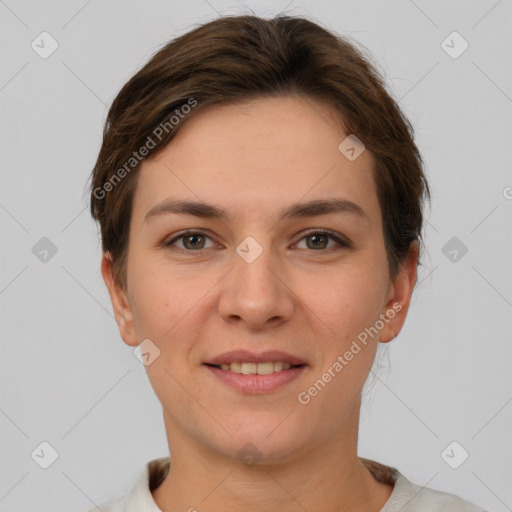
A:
[195, 208]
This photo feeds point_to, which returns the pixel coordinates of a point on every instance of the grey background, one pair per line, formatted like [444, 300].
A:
[67, 378]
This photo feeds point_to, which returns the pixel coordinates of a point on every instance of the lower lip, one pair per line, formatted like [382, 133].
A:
[257, 383]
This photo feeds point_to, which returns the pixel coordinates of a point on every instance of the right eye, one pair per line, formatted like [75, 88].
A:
[192, 241]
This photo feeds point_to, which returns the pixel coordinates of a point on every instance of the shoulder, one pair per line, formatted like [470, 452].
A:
[139, 498]
[427, 499]
[118, 504]
[409, 497]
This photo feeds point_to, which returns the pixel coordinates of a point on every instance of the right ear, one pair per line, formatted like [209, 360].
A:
[120, 303]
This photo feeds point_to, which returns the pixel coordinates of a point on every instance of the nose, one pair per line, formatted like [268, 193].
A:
[256, 293]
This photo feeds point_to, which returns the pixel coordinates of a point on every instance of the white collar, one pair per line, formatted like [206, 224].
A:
[404, 492]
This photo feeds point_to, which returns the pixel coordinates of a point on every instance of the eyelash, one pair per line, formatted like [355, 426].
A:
[331, 234]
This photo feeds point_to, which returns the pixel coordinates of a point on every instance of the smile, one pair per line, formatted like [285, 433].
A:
[266, 368]
[256, 378]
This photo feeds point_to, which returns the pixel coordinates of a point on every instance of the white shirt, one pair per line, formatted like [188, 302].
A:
[406, 496]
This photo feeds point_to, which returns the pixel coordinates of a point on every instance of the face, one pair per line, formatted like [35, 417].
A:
[284, 262]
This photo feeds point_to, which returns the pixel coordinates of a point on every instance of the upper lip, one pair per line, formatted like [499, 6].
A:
[245, 356]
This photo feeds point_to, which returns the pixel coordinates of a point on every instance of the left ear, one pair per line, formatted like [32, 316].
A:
[399, 296]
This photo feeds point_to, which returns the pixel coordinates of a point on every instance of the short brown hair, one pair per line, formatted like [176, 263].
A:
[237, 58]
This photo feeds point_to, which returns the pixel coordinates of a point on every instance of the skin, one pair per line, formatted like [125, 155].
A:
[253, 159]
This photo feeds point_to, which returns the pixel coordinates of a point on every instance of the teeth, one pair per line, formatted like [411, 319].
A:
[256, 368]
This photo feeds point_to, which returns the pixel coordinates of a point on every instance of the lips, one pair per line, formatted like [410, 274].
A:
[256, 373]
[245, 356]
[255, 383]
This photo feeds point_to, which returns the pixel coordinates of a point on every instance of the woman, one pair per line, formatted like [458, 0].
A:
[260, 200]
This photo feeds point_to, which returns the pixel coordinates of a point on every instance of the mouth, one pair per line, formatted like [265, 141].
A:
[256, 373]
[265, 368]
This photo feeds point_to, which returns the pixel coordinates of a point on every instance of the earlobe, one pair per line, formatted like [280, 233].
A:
[399, 299]
[120, 303]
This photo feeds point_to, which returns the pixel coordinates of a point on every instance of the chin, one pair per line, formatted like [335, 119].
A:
[263, 438]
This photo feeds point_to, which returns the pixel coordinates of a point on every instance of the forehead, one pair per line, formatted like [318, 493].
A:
[258, 156]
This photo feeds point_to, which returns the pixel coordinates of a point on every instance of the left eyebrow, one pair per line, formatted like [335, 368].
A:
[313, 208]
[319, 207]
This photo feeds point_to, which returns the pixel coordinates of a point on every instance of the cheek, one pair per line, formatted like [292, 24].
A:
[349, 305]
[347, 300]
[158, 303]
[171, 309]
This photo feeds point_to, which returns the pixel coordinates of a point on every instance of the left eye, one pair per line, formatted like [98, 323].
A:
[317, 240]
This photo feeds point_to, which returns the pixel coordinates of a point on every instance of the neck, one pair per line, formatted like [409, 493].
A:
[327, 476]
